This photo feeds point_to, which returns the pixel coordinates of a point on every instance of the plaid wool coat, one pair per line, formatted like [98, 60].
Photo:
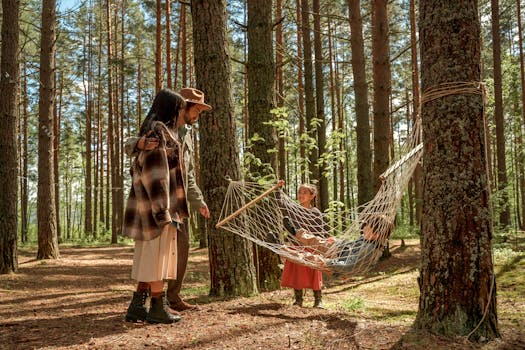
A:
[157, 195]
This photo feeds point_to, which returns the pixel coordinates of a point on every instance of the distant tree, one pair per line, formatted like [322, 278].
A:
[457, 281]
[319, 109]
[504, 210]
[364, 152]
[311, 127]
[47, 218]
[382, 81]
[231, 259]
[9, 81]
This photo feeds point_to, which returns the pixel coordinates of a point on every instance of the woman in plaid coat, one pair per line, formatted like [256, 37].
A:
[155, 208]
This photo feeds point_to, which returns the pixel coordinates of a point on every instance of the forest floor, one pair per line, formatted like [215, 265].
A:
[79, 302]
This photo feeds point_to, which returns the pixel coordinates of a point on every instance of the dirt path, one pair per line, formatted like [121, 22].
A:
[79, 301]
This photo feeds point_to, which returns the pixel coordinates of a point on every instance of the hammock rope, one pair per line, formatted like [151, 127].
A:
[336, 244]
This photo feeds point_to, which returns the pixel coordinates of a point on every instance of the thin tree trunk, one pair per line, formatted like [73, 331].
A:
[168, 44]
[319, 102]
[311, 129]
[364, 152]
[47, 224]
[279, 85]
[9, 81]
[333, 106]
[158, 48]
[25, 164]
[416, 178]
[504, 210]
[183, 46]
[522, 84]
[381, 68]
[300, 93]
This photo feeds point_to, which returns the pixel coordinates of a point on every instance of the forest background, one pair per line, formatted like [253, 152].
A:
[111, 58]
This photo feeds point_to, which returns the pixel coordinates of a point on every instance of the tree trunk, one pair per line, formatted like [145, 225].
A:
[279, 86]
[9, 80]
[503, 197]
[56, 153]
[416, 178]
[88, 223]
[183, 53]
[457, 282]
[25, 163]
[333, 109]
[311, 129]
[261, 79]
[319, 99]
[168, 44]
[300, 93]
[381, 68]
[47, 224]
[522, 83]
[364, 152]
[158, 48]
[231, 267]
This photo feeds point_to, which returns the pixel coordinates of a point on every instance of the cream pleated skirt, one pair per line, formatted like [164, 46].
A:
[156, 260]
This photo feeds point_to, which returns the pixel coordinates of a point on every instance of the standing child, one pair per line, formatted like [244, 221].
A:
[301, 277]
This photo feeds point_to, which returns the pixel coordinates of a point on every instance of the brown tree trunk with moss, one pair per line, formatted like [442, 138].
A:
[279, 86]
[46, 212]
[261, 79]
[457, 281]
[231, 258]
[9, 81]
[364, 152]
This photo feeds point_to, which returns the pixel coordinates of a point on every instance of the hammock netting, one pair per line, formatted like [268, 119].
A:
[265, 215]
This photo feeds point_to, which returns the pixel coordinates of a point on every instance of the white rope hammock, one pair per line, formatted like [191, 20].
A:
[346, 243]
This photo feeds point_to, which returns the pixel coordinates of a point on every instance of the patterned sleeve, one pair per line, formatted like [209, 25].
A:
[156, 180]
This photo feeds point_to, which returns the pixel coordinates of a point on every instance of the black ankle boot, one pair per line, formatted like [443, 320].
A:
[298, 293]
[158, 313]
[318, 299]
[137, 308]
[287, 223]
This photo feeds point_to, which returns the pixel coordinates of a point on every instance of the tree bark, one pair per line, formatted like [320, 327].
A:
[311, 129]
[457, 282]
[416, 178]
[300, 94]
[503, 197]
[46, 213]
[381, 69]
[231, 260]
[9, 81]
[261, 79]
[158, 48]
[364, 152]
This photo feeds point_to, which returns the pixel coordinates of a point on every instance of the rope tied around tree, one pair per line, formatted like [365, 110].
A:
[454, 88]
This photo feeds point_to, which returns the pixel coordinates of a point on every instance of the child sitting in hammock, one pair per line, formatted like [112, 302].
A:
[340, 255]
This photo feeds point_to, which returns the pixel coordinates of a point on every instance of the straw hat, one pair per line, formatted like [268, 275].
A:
[194, 96]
